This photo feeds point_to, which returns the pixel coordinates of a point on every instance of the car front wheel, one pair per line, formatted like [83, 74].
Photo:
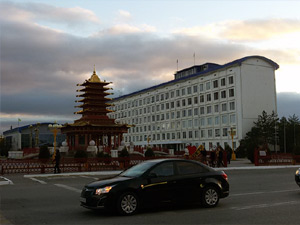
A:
[128, 203]
[210, 196]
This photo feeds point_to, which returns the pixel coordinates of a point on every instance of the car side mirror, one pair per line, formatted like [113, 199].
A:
[152, 175]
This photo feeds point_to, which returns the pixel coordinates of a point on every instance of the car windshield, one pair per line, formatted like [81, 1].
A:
[137, 170]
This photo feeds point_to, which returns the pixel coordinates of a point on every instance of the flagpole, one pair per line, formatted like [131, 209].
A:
[194, 59]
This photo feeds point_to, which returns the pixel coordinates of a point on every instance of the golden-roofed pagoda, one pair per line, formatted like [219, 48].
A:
[94, 123]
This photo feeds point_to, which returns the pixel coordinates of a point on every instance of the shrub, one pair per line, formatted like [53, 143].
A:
[124, 152]
[149, 152]
[80, 154]
[44, 152]
[102, 155]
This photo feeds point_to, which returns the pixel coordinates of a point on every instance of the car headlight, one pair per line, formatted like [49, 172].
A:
[297, 172]
[104, 190]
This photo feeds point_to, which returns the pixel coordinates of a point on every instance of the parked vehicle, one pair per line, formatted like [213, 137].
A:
[155, 182]
[297, 177]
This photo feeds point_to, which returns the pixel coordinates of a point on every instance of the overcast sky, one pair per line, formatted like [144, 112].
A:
[47, 47]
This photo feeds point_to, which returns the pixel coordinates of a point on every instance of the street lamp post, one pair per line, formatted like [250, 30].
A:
[232, 133]
[54, 128]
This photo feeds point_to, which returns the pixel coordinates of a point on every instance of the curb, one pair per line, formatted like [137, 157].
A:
[103, 173]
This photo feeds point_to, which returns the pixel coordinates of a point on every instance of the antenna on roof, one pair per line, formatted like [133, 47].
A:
[194, 58]
[177, 66]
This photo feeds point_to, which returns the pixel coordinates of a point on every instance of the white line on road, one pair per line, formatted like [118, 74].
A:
[4, 181]
[40, 181]
[68, 188]
[263, 192]
[265, 205]
[95, 178]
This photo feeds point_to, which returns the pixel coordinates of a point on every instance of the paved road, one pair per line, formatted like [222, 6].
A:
[260, 196]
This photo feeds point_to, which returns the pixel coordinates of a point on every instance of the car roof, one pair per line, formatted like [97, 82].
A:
[156, 161]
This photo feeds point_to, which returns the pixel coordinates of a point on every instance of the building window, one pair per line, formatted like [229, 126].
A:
[177, 93]
[189, 90]
[201, 98]
[202, 110]
[178, 103]
[167, 96]
[230, 80]
[223, 82]
[216, 107]
[216, 95]
[172, 94]
[209, 133]
[217, 120]
[202, 122]
[196, 111]
[184, 135]
[231, 92]
[209, 121]
[195, 88]
[196, 100]
[184, 113]
[217, 132]
[190, 134]
[225, 131]
[223, 94]
[208, 97]
[215, 84]
[172, 105]
[232, 118]
[189, 112]
[202, 133]
[178, 114]
[232, 106]
[208, 86]
[208, 109]
[183, 91]
[224, 107]
[190, 123]
[224, 119]
[201, 88]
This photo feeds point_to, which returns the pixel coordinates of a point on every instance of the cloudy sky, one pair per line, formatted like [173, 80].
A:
[47, 47]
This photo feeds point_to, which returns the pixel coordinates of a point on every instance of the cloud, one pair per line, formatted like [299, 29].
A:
[248, 30]
[288, 104]
[123, 14]
[41, 66]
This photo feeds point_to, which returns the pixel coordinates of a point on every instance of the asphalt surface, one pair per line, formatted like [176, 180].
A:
[258, 195]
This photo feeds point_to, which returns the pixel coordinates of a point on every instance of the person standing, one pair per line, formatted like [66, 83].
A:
[57, 162]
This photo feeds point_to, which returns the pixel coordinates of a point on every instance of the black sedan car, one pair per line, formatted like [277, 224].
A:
[155, 182]
[297, 177]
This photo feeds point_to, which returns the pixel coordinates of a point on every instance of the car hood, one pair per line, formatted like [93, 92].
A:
[108, 181]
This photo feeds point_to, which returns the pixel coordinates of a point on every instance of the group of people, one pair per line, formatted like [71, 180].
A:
[216, 157]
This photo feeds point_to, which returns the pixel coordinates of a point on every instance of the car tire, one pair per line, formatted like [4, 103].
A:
[210, 197]
[128, 203]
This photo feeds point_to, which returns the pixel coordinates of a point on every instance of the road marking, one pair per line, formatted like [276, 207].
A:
[263, 192]
[266, 205]
[95, 178]
[68, 188]
[4, 181]
[40, 181]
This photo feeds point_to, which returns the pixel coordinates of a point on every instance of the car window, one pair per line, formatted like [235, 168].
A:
[137, 170]
[164, 169]
[185, 168]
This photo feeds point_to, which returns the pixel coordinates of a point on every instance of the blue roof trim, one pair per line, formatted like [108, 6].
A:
[22, 128]
[238, 61]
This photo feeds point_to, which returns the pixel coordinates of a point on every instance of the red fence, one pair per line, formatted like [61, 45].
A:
[35, 166]
[263, 159]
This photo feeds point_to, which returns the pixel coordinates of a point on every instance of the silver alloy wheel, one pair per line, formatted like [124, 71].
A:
[211, 197]
[129, 203]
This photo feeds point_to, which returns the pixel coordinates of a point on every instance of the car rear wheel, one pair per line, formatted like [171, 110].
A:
[210, 196]
[128, 203]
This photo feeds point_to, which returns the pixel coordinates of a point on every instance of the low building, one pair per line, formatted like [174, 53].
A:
[207, 104]
[30, 136]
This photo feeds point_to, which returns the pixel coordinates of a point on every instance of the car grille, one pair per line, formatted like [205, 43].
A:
[86, 192]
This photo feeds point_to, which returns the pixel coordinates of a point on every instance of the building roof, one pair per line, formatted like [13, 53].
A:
[211, 69]
[7, 132]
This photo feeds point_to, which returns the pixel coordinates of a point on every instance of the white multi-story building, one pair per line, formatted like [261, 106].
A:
[202, 105]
